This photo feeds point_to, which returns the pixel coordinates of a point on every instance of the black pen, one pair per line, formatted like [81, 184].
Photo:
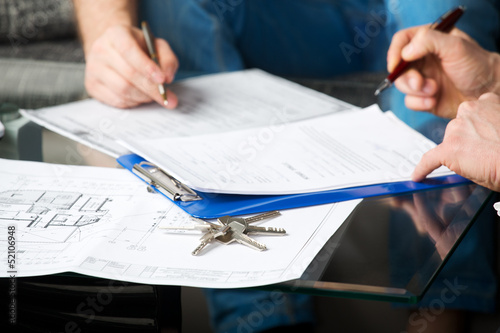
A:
[148, 35]
[444, 24]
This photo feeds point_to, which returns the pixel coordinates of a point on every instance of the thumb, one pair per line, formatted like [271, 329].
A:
[429, 41]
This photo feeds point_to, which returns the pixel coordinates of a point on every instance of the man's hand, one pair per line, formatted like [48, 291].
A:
[471, 144]
[450, 68]
[120, 73]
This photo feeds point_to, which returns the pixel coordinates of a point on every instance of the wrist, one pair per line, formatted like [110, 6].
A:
[95, 18]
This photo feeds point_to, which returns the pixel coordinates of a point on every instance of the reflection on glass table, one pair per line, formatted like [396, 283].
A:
[391, 248]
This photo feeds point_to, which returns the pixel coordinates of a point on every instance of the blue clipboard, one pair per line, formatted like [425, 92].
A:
[214, 205]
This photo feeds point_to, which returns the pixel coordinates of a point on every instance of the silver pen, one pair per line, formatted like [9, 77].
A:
[148, 35]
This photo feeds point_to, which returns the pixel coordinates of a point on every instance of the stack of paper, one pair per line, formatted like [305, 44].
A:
[251, 133]
[350, 148]
[208, 104]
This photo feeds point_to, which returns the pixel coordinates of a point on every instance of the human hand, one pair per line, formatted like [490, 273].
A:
[449, 68]
[119, 71]
[471, 144]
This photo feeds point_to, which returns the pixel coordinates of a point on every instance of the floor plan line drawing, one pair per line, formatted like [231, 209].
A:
[47, 209]
[102, 222]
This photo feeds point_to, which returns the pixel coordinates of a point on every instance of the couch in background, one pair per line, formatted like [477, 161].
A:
[41, 60]
[41, 64]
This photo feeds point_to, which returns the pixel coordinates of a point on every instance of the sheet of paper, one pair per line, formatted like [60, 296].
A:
[208, 104]
[345, 149]
[102, 222]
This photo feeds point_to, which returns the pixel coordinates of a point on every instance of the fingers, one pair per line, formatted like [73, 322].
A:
[469, 145]
[133, 85]
[399, 40]
[418, 103]
[412, 82]
[429, 162]
[490, 97]
[118, 62]
[108, 96]
[114, 89]
[142, 71]
[110, 79]
[417, 42]
[428, 41]
[168, 61]
[173, 101]
[420, 92]
[128, 43]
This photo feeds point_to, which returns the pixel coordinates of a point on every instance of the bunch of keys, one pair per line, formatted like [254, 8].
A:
[235, 229]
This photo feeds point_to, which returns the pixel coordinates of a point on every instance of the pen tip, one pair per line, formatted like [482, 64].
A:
[165, 102]
[385, 84]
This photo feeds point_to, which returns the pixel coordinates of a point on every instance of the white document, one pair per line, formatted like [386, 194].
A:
[102, 222]
[208, 104]
[349, 148]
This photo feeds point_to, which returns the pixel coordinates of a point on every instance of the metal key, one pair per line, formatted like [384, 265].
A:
[209, 237]
[236, 234]
[258, 230]
[243, 226]
[263, 216]
[256, 218]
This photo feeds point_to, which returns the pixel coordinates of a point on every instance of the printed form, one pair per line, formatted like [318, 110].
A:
[348, 148]
[102, 222]
[208, 104]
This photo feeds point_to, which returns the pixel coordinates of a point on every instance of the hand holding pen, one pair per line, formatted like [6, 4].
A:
[120, 72]
[444, 24]
[446, 69]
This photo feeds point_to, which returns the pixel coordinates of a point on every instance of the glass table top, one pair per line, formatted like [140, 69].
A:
[391, 248]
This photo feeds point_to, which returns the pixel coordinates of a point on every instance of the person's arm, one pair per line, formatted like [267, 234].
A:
[95, 17]
[471, 144]
[450, 68]
[119, 71]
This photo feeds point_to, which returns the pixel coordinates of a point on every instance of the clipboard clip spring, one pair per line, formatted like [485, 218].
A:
[164, 183]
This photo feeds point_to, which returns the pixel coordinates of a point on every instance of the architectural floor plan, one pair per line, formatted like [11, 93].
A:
[39, 209]
[102, 222]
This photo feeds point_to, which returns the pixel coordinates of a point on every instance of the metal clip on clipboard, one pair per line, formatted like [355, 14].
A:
[164, 183]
